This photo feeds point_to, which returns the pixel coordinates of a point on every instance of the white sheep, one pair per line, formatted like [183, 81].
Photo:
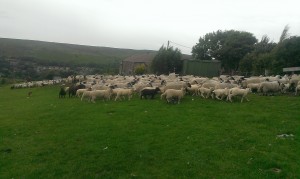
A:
[174, 85]
[238, 92]
[79, 92]
[267, 87]
[193, 89]
[171, 94]
[220, 93]
[297, 88]
[102, 94]
[253, 86]
[205, 92]
[124, 93]
[225, 85]
[210, 84]
[86, 94]
[139, 86]
[285, 87]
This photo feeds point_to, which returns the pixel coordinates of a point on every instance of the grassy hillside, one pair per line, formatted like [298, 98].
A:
[64, 54]
[47, 137]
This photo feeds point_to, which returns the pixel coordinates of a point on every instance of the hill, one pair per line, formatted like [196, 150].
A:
[61, 54]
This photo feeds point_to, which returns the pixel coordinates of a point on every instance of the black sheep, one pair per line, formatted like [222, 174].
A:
[73, 89]
[149, 92]
[62, 92]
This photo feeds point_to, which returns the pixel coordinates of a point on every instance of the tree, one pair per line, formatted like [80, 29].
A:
[167, 60]
[140, 69]
[285, 34]
[287, 54]
[256, 62]
[227, 46]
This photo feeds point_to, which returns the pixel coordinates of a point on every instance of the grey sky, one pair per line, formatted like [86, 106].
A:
[143, 24]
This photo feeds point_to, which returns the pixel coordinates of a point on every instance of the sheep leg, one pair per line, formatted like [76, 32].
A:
[247, 98]
[168, 100]
[222, 97]
[207, 95]
[93, 99]
[202, 95]
[82, 96]
[230, 98]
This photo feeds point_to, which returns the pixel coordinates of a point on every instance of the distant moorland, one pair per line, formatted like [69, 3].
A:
[39, 53]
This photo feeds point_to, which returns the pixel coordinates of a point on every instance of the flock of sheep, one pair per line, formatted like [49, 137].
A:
[173, 88]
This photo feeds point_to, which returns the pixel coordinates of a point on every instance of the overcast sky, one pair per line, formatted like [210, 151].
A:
[143, 24]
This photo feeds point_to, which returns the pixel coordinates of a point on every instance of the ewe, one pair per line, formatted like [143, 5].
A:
[171, 94]
[238, 92]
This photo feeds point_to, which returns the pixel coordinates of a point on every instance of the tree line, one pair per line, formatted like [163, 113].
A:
[238, 51]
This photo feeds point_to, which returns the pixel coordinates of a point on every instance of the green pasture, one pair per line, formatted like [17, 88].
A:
[46, 137]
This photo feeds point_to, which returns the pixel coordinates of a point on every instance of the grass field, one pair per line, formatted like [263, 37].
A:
[46, 137]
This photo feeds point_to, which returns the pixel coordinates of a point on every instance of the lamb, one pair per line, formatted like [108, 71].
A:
[124, 92]
[149, 92]
[171, 94]
[104, 94]
[220, 93]
[205, 91]
[238, 92]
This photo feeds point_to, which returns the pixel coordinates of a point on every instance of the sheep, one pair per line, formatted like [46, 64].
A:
[205, 91]
[149, 92]
[73, 89]
[250, 80]
[199, 80]
[297, 88]
[225, 85]
[294, 81]
[62, 93]
[193, 89]
[124, 92]
[285, 87]
[138, 87]
[105, 94]
[115, 91]
[79, 92]
[175, 85]
[101, 87]
[267, 87]
[253, 86]
[220, 93]
[210, 84]
[86, 94]
[238, 92]
[171, 94]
